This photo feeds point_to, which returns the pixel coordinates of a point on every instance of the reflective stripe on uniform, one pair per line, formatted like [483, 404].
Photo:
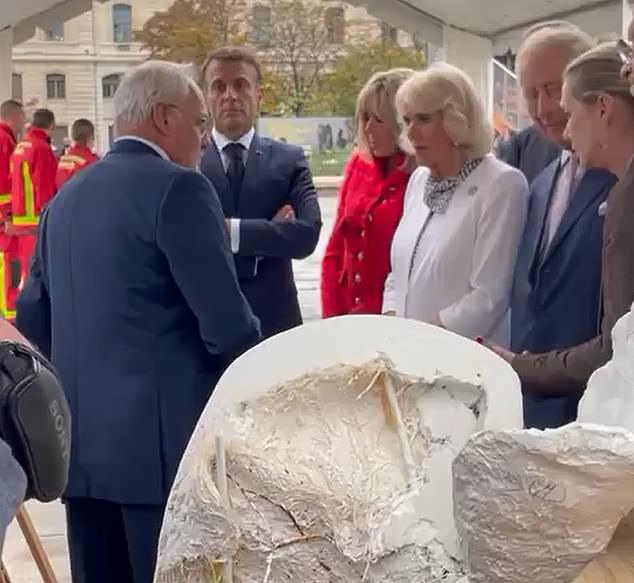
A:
[29, 218]
[5, 198]
[72, 159]
[7, 314]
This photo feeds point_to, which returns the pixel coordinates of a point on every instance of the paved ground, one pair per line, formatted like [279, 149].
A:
[49, 518]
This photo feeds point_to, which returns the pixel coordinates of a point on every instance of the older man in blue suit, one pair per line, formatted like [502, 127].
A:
[556, 294]
[265, 188]
[134, 295]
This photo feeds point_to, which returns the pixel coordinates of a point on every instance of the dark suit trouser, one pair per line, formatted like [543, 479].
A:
[112, 543]
[549, 412]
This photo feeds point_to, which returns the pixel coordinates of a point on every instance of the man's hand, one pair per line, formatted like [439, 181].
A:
[228, 225]
[501, 352]
[286, 213]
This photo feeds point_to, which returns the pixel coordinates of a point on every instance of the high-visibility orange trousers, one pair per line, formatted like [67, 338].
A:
[26, 245]
[10, 275]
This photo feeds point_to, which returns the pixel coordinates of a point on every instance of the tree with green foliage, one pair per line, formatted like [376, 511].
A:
[301, 48]
[296, 45]
[189, 29]
[311, 64]
[352, 70]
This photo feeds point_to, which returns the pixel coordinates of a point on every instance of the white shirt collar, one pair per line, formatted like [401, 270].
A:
[222, 141]
[160, 151]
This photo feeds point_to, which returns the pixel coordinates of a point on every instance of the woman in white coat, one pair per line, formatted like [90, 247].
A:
[453, 253]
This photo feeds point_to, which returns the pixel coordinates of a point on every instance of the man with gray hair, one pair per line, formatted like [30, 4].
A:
[134, 296]
[556, 292]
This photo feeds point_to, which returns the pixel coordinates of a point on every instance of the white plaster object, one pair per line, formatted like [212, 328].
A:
[338, 440]
[537, 506]
[609, 397]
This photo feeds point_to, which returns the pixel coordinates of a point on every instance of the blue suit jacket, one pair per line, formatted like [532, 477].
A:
[276, 174]
[556, 298]
[133, 293]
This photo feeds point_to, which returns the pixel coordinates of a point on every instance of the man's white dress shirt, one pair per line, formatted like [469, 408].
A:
[221, 141]
[561, 197]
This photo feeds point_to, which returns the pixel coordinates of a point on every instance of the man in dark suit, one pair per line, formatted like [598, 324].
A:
[610, 146]
[133, 294]
[556, 293]
[265, 189]
[528, 151]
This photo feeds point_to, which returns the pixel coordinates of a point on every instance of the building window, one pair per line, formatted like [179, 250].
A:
[109, 85]
[122, 23]
[54, 31]
[16, 87]
[261, 24]
[110, 135]
[335, 25]
[56, 86]
[60, 138]
[388, 33]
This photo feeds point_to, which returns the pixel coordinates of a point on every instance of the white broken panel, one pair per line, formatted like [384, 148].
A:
[609, 396]
[535, 506]
[339, 438]
[609, 400]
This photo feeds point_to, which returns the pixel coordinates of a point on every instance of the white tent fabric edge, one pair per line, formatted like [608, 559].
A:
[448, 26]
[18, 21]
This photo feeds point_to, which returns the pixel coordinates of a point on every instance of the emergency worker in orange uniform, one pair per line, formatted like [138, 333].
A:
[11, 125]
[79, 154]
[33, 170]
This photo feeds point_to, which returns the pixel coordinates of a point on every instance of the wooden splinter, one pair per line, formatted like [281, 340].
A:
[223, 490]
[396, 417]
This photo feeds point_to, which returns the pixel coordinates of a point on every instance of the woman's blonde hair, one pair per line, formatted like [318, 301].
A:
[377, 98]
[445, 89]
[598, 71]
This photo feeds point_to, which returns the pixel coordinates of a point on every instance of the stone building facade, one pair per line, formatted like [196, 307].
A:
[73, 67]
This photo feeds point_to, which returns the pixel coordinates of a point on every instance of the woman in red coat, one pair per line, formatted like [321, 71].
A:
[357, 257]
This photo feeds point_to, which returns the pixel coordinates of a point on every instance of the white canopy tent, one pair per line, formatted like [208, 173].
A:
[469, 32]
[18, 21]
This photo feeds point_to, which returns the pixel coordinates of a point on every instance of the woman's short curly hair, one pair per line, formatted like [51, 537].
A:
[445, 89]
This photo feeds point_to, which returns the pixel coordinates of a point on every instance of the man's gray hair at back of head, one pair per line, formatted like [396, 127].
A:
[148, 84]
[558, 33]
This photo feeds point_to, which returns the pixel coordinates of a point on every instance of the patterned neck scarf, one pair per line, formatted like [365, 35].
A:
[439, 191]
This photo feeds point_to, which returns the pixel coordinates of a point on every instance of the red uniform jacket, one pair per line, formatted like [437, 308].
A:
[7, 146]
[357, 257]
[73, 160]
[33, 168]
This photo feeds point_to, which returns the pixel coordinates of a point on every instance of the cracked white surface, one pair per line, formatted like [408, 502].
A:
[535, 506]
[319, 477]
[324, 487]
